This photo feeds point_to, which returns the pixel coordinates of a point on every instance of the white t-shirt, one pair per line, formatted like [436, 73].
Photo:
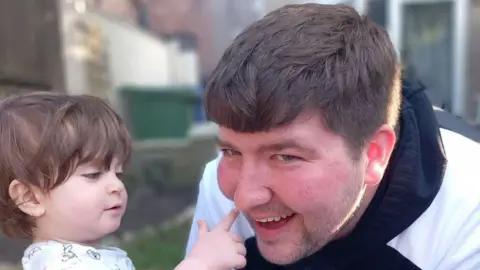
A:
[54, 255]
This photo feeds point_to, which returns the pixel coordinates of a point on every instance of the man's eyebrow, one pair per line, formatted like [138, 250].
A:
[284, 145]
[225, 144]
[272, 147]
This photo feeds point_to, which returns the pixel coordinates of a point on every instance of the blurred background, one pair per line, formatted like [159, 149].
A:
[151, 58]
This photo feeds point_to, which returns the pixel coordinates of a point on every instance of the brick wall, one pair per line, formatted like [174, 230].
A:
[167, 17]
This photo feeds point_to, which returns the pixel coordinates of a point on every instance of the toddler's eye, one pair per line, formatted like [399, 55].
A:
[120, 175]
[92, 176]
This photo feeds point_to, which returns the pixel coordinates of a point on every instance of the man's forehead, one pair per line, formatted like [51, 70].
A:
[306, 133]
[258, 144]
[302, 127]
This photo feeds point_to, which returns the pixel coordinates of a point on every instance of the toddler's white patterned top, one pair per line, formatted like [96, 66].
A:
[54, 255]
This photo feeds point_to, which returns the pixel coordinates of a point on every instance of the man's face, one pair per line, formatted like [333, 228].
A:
[298, 185]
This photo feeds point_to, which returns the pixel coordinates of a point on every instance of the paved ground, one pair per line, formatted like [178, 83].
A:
[450, 122]
[9, 267]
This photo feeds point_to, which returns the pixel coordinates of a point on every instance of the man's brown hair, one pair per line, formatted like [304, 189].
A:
[325, 59]
[44, 137]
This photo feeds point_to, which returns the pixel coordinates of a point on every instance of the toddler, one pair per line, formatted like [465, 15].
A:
[61, 166]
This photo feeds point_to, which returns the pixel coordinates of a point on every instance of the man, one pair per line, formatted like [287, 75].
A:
[333, 164]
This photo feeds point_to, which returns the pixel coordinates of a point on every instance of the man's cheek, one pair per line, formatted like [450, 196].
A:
[227, 181]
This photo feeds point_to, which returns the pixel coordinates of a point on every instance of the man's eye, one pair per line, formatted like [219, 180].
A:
[229, 152]
[287, 158]
[92, 176]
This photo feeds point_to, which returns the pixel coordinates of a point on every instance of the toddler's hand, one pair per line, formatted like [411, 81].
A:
[219, 249]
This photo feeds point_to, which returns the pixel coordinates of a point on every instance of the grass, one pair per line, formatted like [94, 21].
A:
[160, 250]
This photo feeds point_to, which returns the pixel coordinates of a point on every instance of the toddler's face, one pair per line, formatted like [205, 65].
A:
[86, 207]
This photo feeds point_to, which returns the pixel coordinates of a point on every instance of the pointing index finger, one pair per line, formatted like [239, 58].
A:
[226, 223]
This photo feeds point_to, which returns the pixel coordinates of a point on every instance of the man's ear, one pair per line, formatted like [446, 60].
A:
[27, 198]
[379, 150]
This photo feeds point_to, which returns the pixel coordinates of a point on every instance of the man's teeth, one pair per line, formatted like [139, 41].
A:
[270, 219]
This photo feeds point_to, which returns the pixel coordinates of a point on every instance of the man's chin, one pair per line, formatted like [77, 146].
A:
[280, 254]
[287, 252]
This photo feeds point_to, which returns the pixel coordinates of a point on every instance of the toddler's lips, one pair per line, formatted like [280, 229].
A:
[115, 207]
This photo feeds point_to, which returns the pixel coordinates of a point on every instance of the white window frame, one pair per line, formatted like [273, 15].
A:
[460, 15]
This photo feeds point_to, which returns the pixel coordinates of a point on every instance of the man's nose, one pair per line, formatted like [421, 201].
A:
[252, 190]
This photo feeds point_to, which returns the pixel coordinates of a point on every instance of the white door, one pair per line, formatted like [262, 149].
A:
[430, 37]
